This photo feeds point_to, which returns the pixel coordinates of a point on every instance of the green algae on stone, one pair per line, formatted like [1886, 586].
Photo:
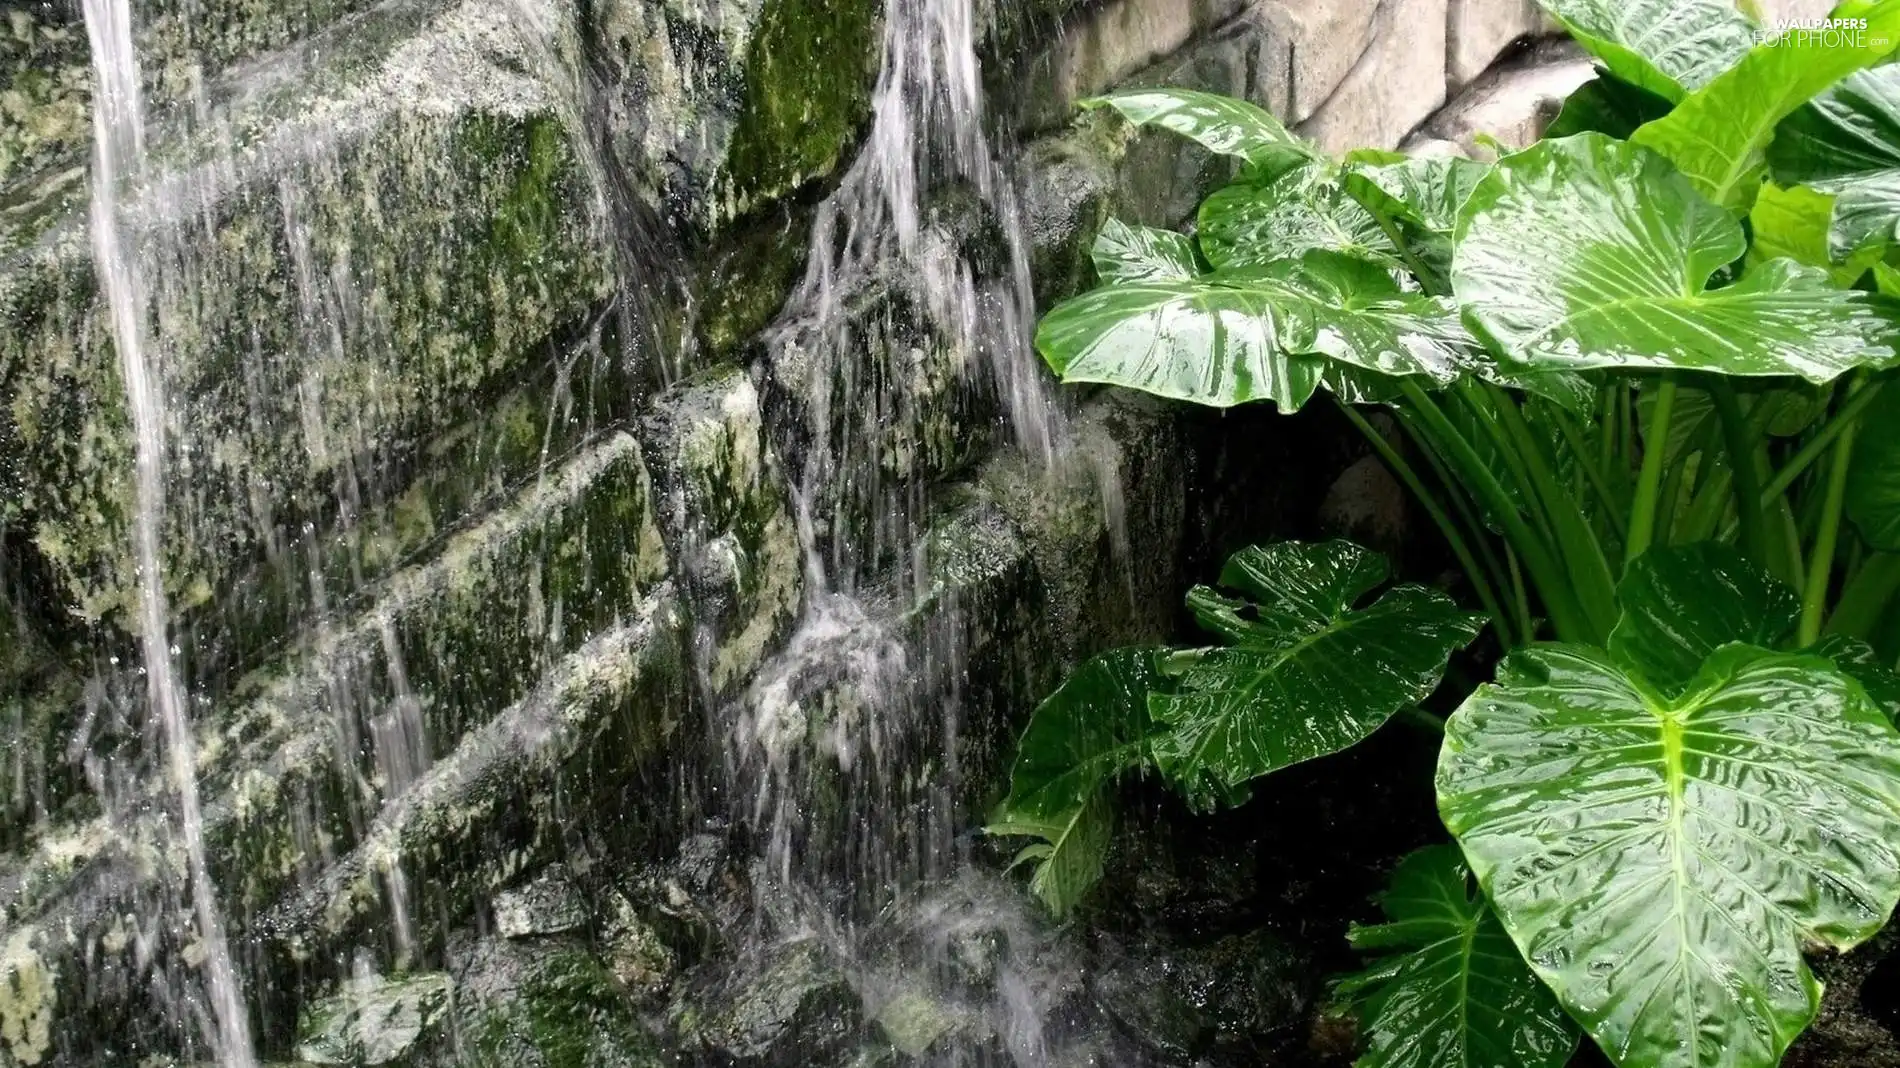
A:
[745, 283]
[27, 1000]
[807, 94]
[461, 232]
[373, 1021]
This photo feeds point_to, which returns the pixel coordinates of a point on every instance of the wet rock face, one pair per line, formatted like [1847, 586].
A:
[462, 561]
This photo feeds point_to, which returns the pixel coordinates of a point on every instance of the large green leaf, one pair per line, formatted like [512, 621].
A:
[1305, 673]
[1254, 333]
[1257, 220]
[1124, 253]
[1607, 104]
[1873, 475]
[1449, 990]
[1681, 603]
[1858, 661]
[1590, 252]
[1217, 123]
[1080, 740]
[1662, 862]
[1795, 223]
[1422, 195]
[1203, 341]
[1847, 142]
[1664, 46]
[1718, 136]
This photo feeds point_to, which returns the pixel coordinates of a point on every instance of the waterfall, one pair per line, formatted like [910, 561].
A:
[847, 715]
[118, 158]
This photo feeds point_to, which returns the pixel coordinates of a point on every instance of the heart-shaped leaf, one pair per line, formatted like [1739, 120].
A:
[1847, 143]
[1718, 135]
[1124, 253]
[1666, 47]
[1256, 333]
[1681, 603]
[1873, 475]
[1448, 989]
[1590, 252]
[1080, 740]
[1661, 862]
[1217, 123]
[1425, 191]
[1305, 672]
[1258, 220]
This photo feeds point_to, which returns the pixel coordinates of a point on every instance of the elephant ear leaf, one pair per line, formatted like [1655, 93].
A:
[1681, 603]
[1607, 104]
[1846, 142]
[1124, 253]
[1663, 861]
[1080, 740]
[1446, 988]
[1719, 135]
[1260, 219]
[1264, 332]
[1217, 123]
[1667, 47]
[1590, 252]
[1304, 672]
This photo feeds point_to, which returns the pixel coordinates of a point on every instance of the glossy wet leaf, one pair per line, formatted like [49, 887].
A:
[1124, 253]
[1251, 221]
[1680, 603]
[1607, 104]
[1254, 333]
[1426, 191]
[1847, 143]
[1661, 863]
[1858, 660]
[1446, 988]
[1202, 341]
[1080, 740]
[1795, 223]
[1873, 479]
[1718, 135]
[1666, 47]
[1590, 252]
[1217, 123]
[1304, 672]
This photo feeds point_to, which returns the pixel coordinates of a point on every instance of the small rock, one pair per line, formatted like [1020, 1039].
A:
[796, 1010]
[372, 1020]
[548, 904]
[636, 953]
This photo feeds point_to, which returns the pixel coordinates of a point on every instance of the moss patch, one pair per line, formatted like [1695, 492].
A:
[809, 72]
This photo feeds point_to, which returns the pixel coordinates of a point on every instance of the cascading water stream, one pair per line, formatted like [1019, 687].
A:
[119, 147]
[847, 710]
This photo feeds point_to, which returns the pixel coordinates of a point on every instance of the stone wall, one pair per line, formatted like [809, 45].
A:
[478, 496]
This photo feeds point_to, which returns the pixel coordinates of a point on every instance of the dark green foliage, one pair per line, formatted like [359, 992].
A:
[1643, 393]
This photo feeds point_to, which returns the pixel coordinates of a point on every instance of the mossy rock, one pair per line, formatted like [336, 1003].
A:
[548, 1003]
[405, 229]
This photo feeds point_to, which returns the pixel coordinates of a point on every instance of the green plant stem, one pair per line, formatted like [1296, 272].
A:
[1821, 559]
[1468, 515]
[1866, 596]
[1480, 581]
[1740, 443]
[1427, 278]
[1594, 475]
[1566, 615]
[1850, 411]
[1649, 481]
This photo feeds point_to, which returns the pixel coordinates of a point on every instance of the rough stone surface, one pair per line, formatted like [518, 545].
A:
[1513, 103]
[406, 223]
[1395, 85]
[1322, 44]
[1479, 31]
[726, 507]
[1102, 46]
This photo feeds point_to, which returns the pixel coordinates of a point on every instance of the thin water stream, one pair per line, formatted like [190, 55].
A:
[118, 159]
